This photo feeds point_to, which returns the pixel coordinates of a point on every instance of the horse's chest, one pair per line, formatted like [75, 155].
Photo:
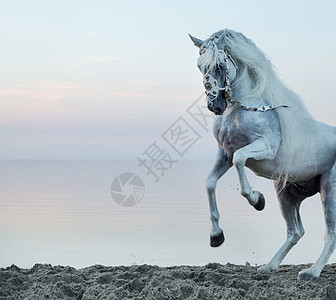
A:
[231, 136]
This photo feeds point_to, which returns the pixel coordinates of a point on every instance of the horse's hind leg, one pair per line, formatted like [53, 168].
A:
[221, 166]
[289, 206]
[328, 196]
[258, 150]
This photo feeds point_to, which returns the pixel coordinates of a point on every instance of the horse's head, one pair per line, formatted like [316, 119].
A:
[218, 69]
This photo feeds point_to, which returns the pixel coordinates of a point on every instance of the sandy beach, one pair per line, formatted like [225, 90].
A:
[213, 281]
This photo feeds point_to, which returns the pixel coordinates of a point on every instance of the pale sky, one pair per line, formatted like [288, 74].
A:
[104, 79]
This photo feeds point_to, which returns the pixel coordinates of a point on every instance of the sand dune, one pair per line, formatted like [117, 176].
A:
[213, 281]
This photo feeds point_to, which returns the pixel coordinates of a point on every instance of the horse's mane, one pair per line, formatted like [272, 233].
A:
[254, 67]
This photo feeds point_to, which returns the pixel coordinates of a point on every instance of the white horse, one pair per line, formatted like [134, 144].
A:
[263, 125]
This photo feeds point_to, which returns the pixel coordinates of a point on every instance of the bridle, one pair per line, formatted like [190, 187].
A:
[211, 85]
[212, 88]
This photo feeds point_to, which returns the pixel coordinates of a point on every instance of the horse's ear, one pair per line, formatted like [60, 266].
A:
[197, 42]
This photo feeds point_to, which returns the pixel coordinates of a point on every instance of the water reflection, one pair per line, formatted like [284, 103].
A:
[60, 212]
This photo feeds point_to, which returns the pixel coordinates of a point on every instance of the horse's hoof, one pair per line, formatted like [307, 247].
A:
[261, 203]
[306, 275]
[217, 240]
[266, 269]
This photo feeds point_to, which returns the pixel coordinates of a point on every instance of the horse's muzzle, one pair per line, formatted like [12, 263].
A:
[217, 110]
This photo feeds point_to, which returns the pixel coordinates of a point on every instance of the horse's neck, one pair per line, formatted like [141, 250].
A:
[241, 86]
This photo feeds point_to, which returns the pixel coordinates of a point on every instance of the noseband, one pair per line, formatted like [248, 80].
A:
[212, 88]
[211, 85]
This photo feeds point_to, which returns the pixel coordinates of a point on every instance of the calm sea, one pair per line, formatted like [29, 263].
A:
[62, 212]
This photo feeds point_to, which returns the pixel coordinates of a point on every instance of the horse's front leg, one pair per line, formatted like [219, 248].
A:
[221, 166]
[258, 150]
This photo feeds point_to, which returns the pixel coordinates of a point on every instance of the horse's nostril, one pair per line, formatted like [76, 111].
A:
[218, 110]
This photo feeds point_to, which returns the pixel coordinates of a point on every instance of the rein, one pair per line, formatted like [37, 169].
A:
[212, 88]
